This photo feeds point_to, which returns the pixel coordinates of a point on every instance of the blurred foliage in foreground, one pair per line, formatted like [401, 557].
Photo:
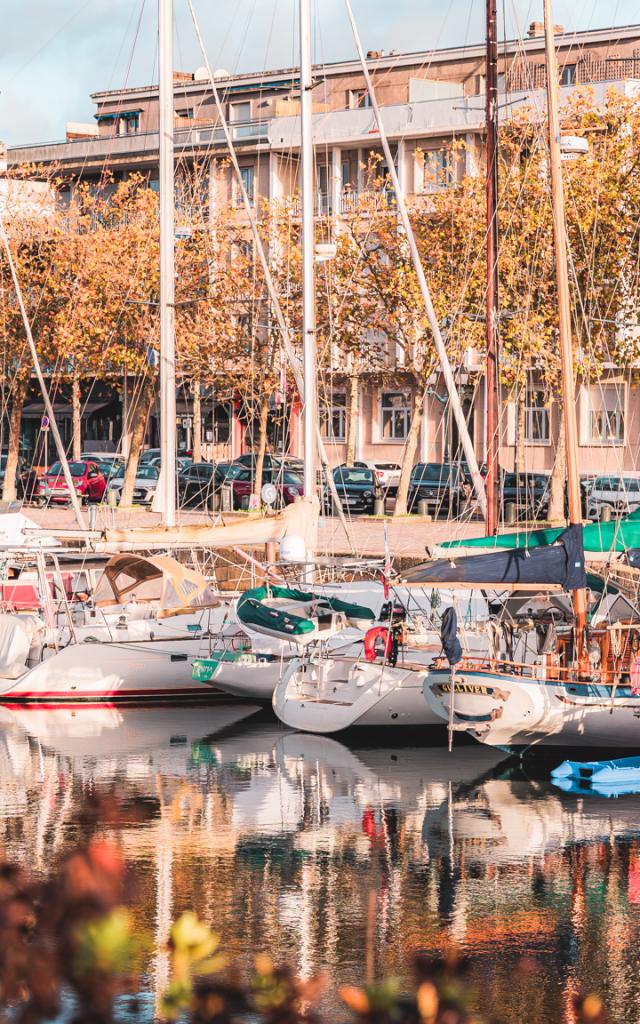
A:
[71, 941]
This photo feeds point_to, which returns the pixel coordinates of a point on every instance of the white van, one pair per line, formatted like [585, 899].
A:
[619, 492]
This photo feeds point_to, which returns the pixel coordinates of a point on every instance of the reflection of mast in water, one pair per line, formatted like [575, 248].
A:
[164, 899]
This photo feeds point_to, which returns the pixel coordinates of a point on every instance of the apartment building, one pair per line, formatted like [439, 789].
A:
[429, 99]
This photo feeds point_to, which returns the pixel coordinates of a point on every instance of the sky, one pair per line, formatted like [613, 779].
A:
[55, 53]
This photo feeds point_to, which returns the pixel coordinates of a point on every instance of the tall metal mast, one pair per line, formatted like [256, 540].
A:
[310, 397]
[167, 268]
[493, 438]
[564, 308]
[403, 214]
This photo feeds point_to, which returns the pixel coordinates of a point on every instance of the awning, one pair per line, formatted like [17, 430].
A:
[35, 410]
[126, 115]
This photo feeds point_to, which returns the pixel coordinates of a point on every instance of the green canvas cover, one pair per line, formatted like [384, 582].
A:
[597, 537]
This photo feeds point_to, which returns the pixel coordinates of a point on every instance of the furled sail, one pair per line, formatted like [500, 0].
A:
[560, 564]
[299, 519]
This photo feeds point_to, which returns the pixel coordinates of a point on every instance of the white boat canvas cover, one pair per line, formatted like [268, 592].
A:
[162, 580]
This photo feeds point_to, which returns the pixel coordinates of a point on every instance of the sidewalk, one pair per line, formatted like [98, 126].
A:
[407, 536]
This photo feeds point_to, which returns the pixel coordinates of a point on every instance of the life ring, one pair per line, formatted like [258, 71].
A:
[371, 638]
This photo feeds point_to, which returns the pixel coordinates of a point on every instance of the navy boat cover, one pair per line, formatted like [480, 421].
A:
[561, 564]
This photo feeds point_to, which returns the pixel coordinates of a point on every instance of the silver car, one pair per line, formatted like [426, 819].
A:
[144, 488]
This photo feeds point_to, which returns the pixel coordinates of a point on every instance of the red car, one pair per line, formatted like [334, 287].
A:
[289, 485]
[88, 480]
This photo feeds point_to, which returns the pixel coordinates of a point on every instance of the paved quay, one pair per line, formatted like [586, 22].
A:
[407, 536]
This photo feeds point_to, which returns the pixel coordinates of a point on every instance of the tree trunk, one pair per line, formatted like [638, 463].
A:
[197, 423]
[138, 419]
[556, 512]
[262, 442]
[76, 446]
[13, 448]
[409, 454]
[352, 428]
[521, 408]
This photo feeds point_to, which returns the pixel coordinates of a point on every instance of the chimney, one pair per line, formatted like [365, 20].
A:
[536, 30]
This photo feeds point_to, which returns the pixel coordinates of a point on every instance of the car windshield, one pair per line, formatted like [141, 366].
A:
[432, 472]
[293, 478]
[75, 468]
[235, 471]
[146, 473]
[354, 476]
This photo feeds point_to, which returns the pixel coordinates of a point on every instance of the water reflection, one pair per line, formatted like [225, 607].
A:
[278, 838]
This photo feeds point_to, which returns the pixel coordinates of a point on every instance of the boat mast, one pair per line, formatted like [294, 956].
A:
[310, 398]
[564, 308]
[403, 214]
[167, 267]
[493, 439]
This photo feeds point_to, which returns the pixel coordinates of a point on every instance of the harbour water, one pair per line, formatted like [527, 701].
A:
[278, 840]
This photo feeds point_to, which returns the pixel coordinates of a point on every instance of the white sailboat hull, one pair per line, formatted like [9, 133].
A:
[506, 711]
[145, 661]
[339, 693]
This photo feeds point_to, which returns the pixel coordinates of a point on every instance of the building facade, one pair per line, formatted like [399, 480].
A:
[430, 100]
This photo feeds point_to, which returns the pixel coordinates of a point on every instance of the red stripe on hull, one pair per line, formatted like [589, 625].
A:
[111, 697]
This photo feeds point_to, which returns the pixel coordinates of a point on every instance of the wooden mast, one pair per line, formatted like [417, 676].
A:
[493, 441]
[564, 308]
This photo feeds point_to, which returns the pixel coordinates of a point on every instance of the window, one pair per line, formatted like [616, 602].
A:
[536, 422]
[438, 170]
[240, 118]
[333, 417]
[568, 75]
[604, 418]
[247, 175]
[395, 416]
[359, 99]
[346, 174]
[240, 113]
[128, 122]
[186, 112]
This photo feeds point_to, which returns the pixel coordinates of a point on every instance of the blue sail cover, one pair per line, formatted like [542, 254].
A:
[561, 564]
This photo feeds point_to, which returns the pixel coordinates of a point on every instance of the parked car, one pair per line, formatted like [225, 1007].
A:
[149, 455]
[249, 459]
[198, 483]
[529, 492]
[620, 493]
[357, 489]
[441, 484]
[144, 487]
[98, 456]
[387, 473]
[111, 468]
[288, 484]
[88, 481]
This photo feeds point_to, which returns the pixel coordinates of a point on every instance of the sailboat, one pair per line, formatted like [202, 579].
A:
[381, 682]
[561, 671]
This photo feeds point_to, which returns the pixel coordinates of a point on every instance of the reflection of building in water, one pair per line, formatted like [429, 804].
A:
[277, 840]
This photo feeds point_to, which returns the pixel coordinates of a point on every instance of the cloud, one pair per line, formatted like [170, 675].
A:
[55, 54]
